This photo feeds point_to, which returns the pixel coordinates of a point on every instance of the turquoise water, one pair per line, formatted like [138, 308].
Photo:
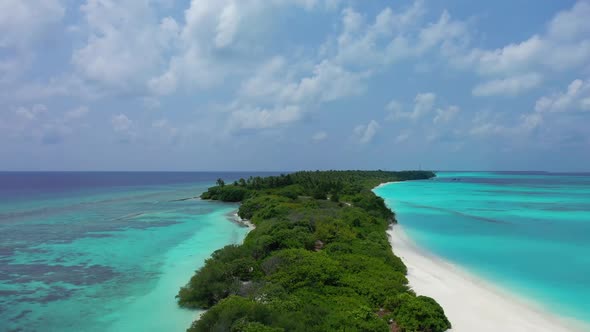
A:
[98, 252]
[527, 232]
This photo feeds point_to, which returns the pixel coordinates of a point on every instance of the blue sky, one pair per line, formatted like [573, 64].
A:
[294, 84]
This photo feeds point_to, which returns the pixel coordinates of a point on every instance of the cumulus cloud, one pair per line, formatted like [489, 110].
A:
[326, 82]
[212, 30]
[276, 84]
[394, 108]
[229, 19]
[393, 36]
[268, 81]
[38, 123]
[365, 133]
[121, 123]
[510, 86]
[130, 48]
[575, 98]
[124, 128]
[423, 105]
[125, 43]
[23, 21]
[261, 118]
[446, 114]
[565, 45]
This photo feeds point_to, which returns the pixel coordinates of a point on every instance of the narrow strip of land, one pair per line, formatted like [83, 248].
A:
[317, 260]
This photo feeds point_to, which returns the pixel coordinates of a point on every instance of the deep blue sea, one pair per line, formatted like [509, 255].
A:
[105, 251]
[527, 232]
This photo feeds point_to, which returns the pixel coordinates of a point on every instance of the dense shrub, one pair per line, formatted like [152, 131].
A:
[311, 264]
[225, 193]
[418, 313]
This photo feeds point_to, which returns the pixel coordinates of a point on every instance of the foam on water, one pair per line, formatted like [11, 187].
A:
[527, 232]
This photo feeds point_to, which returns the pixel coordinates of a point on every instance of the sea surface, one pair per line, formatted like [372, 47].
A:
[105, 251]
[526, 232]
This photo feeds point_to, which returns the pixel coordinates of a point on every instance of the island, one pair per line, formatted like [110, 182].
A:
[317, 259]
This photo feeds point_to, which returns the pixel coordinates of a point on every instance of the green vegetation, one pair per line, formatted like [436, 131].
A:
[318, 260]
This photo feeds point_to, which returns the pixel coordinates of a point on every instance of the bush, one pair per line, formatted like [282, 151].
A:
[296, 268]
[420, 313]
[254, 327]
[225, 193]
[311, 265]
[224, 316]
[220, 277]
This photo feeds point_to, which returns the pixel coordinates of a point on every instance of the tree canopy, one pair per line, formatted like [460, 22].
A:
[318, 260]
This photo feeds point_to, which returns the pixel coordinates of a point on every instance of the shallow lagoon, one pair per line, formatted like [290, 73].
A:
[107, 254]
[527, 232]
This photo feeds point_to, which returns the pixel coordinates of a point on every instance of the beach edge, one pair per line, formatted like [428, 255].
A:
[470, 302]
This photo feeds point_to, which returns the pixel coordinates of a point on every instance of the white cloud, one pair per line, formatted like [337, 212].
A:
[319, 136]
[326, 82]
[261, 118]
[365, 133]
[403, 137]
[565, 45]
[215, 29]
[269, 80]
[76, 113]
[510, 86]
[572, 23]
[277, 84]
[394, 36]
[37, 123]
[576, 98]
[423, 105]
[494, 125]
[22, 21]
[121, 123]
[229, 19]
[394, 108]
[31, 113]
[510, 59]
[62, 86]
[531, 121]
[446, 114]
[125, 43]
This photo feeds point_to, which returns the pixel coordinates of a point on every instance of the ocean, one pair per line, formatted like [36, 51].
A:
[105, 251]
[526, 232]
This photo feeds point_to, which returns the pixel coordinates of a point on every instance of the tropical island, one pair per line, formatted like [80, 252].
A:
[318, 260]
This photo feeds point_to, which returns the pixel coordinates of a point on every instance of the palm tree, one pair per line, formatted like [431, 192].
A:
[220, 182]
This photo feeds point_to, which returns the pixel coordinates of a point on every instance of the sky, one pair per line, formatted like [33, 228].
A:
[294, 84]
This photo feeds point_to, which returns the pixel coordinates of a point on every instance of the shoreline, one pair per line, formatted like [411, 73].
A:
[234, 218]
[471, 303]
[242, 222]
[178, 263]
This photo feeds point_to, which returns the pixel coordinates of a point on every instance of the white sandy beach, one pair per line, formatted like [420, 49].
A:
[472, 304]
